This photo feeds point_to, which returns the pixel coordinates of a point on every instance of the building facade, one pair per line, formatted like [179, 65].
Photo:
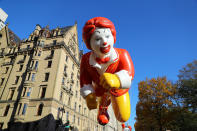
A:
[40, 75]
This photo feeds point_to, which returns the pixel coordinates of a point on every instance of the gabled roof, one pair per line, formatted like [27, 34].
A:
[14, 39]
[64, 29]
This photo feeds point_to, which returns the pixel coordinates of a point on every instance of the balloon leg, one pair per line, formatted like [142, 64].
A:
[121, 106]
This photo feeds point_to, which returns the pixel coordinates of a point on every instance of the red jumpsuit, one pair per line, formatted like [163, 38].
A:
[89, 76]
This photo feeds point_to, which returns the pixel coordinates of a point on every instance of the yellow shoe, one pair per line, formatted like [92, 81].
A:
[91, 101]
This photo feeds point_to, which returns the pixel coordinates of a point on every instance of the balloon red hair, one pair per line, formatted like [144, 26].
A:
[90, 26]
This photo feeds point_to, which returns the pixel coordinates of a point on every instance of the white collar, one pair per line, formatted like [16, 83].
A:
[113, 58]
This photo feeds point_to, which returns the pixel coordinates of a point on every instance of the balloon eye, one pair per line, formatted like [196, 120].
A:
[97, 39]
[107, 36]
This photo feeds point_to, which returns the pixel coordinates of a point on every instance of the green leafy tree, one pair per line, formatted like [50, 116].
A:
[184, 113]
[187, 86]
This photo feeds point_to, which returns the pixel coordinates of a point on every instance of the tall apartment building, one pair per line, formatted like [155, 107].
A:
[40, 75]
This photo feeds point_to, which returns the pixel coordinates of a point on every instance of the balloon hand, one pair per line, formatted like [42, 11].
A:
[110, 81]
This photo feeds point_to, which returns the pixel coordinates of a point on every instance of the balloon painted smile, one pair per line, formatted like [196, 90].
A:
[105, 49]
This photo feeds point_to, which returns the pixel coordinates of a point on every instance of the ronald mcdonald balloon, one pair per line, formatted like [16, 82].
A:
[105, 72]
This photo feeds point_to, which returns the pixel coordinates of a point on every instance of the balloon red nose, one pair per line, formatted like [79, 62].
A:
[105, 43]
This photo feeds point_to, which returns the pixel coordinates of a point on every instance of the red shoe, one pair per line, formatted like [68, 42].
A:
[103, 116]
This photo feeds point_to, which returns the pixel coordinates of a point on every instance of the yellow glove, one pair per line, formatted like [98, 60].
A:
[91, 101]
[108, 81]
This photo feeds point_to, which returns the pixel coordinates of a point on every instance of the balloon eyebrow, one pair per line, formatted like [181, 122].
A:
[97, 31]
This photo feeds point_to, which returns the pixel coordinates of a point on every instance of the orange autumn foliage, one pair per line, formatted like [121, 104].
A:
[155, 98]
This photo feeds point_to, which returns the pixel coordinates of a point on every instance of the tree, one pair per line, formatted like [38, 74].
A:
[185, 111]
[155, 99]
[187, 86]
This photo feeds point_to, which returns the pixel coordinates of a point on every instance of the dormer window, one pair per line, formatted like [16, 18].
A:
[54, 42]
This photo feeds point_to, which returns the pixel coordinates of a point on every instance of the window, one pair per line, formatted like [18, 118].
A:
[54, 42]
[65, 67]
[43, 91]
[36, 53]
[40, 108]
[52, 53]
[17, 78]
[38, 42]
[10, 50]
[6, 70]
[2, 50]
[19, 108]
[6, 110]
[66, 58]
[63, 79]
[2, 80]
[24, 109]
[73, 118]
[36, 65]
[76, 94]
[78, 120]
[67, 115]
[61, 95]
[79, 108]
[32, 63]
[46, 76]
[1, 125]
[39, 53]
[11, 94]
[21, 67]
[29, 92]
[33, 77]
[75, 106]
[24, 91]
[24, 57]
[58, 113]
[42, 43]
[49, 64]
[72, 74]
[69, 101]
[73, 66]
[28, 46]
[28, 76]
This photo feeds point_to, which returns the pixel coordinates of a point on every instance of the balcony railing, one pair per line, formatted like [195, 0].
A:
[49, 57]
[69, 91]
[21, 61]
[25, 49]
[32, 69]
[8, 63]
[28, 83]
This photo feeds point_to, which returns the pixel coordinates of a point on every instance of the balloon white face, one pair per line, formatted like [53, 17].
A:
[126, 129]
[102, 41]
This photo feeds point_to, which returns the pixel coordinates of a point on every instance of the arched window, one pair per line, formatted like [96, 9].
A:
[40, 107]
[6, 110]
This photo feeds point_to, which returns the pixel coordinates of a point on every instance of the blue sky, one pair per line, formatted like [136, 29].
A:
[160, 35]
